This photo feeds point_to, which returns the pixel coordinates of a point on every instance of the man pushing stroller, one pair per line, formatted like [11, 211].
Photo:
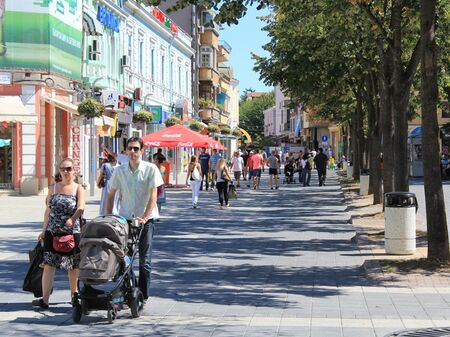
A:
[137, 183]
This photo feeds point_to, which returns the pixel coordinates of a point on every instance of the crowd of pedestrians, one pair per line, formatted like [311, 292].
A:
[135, 190]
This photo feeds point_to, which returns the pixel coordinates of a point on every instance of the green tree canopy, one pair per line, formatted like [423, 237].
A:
[251, 114]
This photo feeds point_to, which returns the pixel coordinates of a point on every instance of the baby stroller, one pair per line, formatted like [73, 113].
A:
[108, 249]
[289, 170]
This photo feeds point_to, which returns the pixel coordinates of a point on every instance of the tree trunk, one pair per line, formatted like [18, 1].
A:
[375, 187]
[387, 127]
[400, 102]
[357, 135]
[438, 244]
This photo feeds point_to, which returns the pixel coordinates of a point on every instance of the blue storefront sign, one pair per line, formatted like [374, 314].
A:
[108, 19]
[324, 139]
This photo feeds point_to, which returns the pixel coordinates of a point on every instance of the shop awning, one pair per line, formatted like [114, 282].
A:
[13, 110]
[104, 121]
[69, 107]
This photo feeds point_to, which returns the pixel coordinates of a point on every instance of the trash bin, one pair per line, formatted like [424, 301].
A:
[344, 166]
[364, 182]
[400, 223]
[349, 170]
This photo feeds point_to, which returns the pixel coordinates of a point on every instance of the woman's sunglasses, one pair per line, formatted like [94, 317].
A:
[66, 169]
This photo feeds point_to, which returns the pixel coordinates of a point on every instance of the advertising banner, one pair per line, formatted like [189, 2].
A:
[156, 111]
[41, 35]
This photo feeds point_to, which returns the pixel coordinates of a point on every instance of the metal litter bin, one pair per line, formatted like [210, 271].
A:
[350, 170]
[364, 180]
[400, 210]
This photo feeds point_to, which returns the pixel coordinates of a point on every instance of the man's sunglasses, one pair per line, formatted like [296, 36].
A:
[134, 148]
[66, 169]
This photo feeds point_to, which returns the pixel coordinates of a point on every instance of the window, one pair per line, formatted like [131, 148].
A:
[187, 83]
[130, 48]
[179, 79]
[206, 57]
[162, 68]
[141, 57]
[152, 65]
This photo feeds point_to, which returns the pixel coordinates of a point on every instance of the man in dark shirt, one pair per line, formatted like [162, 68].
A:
[204, 162]
[321, 161]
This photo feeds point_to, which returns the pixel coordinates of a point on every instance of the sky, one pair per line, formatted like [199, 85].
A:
[244, 38]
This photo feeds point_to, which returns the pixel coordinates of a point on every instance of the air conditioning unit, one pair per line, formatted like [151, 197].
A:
[125, 61]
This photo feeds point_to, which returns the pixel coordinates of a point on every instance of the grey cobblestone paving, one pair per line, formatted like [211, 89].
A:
[277, 263]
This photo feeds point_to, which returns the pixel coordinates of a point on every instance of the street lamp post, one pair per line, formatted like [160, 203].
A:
[93, 150]
[145, 107]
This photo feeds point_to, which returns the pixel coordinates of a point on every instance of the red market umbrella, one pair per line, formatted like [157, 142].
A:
[175, 136]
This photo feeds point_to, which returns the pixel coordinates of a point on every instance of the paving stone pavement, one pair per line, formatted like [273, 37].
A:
[277, 263]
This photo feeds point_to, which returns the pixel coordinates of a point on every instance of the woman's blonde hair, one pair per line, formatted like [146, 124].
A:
[193, 158]
[221, 164]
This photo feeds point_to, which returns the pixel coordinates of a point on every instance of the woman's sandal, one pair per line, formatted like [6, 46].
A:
[39, 302]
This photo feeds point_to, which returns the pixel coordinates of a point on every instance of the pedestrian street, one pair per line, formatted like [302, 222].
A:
[276, 263]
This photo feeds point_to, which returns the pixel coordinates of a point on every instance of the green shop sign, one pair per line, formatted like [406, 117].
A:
[41, 35]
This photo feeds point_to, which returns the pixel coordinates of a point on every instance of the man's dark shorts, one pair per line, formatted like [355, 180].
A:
[237, 174]
[273, 172]
[257, 173]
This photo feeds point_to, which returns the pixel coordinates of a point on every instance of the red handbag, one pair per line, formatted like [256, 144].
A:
[64, 244]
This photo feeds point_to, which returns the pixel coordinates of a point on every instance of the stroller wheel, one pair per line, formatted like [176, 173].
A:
[112, 314]
[137, 304]
[76, 313]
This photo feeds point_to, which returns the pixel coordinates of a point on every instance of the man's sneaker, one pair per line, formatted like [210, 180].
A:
[39, 303]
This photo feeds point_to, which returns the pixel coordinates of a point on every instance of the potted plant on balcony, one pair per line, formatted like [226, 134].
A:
[142, 116]
[213, 128]
[195, 125]
[205, 102]
[171, 121]
[90, 108]
[225, 131]
[236, 132]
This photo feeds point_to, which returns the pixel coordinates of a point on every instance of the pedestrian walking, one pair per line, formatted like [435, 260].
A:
[300, 166]
[250, 168]
[245, 156]
[274, 167]
[237, 165]
[65, 205]
[106, 172]
[308, 164]
[257, 164]
[137, 183]
[195, 179]
[204, 159]
[321, 161]
[212, 165]
[223, 177]
[161, 192]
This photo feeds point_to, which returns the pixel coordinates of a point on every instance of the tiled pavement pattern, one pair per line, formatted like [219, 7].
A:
[277, 263]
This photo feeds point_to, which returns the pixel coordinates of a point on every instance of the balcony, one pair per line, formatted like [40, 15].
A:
[209, 114]
[224, 52]
[208, 74]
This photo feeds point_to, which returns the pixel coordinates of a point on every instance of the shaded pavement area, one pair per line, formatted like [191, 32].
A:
[277, 263]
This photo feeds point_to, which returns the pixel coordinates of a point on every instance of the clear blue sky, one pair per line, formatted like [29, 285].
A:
[244, 38]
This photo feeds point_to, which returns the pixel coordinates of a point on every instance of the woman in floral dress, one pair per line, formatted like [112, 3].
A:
[65, 205]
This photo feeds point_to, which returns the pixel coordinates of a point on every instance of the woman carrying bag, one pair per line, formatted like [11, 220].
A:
[195, 179]
[61, 231]
[223, 177]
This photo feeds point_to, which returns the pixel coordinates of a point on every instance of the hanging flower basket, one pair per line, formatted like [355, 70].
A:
[171, 121]
[213, 128]
[142, 116]
[90, 108]
[195, 125]
[236, 132]
[225, 131]
[205, 102]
